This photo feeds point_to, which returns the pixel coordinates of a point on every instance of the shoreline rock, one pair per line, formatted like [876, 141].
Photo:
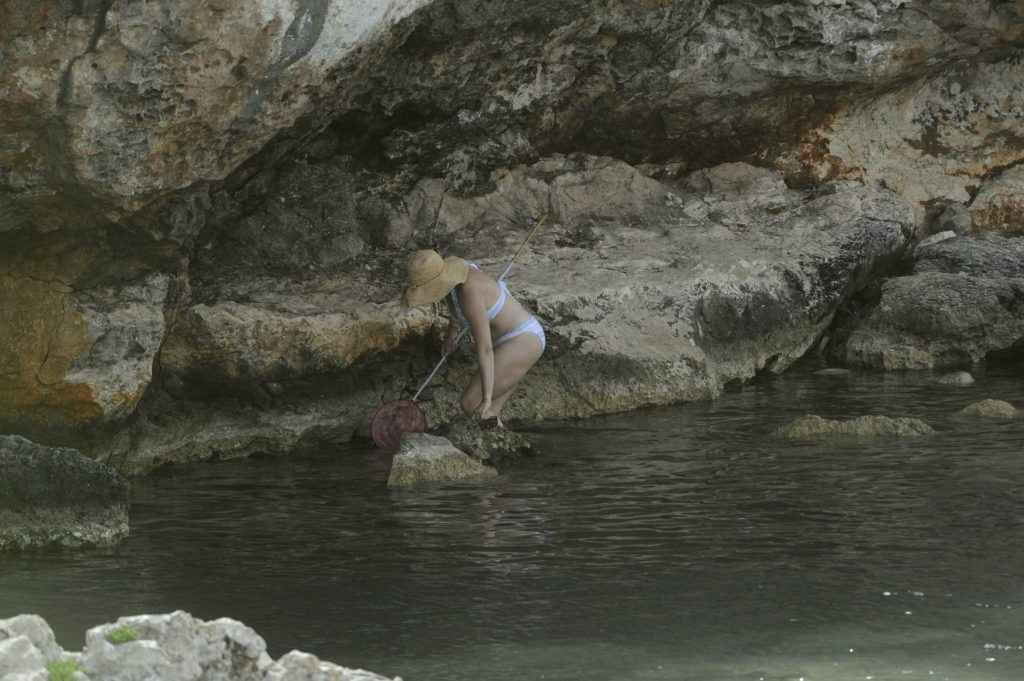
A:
[424, 458]
[54, 497]
[169, 647]
[813, 427]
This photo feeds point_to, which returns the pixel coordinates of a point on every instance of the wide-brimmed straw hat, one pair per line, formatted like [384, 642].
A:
[432, 277]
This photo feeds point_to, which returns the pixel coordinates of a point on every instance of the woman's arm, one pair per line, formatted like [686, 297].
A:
[476, 312]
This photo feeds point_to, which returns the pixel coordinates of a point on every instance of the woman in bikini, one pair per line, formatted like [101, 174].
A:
[485, 306]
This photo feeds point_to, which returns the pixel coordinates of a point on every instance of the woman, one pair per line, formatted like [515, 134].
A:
[486, 307]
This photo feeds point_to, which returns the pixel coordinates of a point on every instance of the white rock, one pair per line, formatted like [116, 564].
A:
[936, 238]
[18, 655]
[36, 630]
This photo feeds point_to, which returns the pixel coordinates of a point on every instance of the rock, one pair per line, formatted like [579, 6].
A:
[75, 358]
[429, 458]
[171, 647]
[956, 378]
[19, 656]
[811, 427]
[914, 141]
[985, 256]
[954, 218]
[833, 371]
[935, 239]
[57, 497]
[298, 666]
[175, 647]
[964, 301]
[994, 409]
[493, 446]
[36, 630]
[999, 204]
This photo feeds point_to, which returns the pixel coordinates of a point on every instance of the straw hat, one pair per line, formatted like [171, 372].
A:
[431, 277]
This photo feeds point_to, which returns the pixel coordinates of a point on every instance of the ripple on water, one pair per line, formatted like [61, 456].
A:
[676, 543]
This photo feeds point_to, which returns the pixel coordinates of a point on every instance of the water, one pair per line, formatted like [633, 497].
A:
[674, 544]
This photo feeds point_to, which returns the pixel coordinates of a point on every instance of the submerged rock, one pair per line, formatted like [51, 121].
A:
[171, 647]
[52, 496]
[833, 371]
[994, 409]
[812, 427]
[429, 458]
[956, 378]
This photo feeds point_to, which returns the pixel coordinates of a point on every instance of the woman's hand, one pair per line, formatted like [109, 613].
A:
[451, 342]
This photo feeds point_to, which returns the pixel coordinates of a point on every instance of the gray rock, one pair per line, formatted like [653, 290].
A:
[813, 427]
[175, 647]
[492, 446]
[19, 656]
[36, 630]
[56, 497]
[965, 300]
[994, 409]
[429, 458]
[985, 256]
[171, 647]
[956, 378]
[935, 239]
[954, 218]
[299, 666]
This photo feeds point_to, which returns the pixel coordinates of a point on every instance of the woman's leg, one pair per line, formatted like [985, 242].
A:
[512, 359]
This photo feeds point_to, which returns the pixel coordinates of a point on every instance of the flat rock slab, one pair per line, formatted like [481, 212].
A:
[813, 427]
[54, 497]
[430, 458]
[993, 409]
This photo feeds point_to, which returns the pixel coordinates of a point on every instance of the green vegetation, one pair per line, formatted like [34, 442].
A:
[123, 634]
[62, 670]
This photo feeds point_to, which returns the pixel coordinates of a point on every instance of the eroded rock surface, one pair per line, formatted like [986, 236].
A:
[171, 647]
[964, 301]
[53, 497]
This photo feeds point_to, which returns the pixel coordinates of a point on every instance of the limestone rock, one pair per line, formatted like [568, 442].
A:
[57, 497]
[299, 666]
[36, 630]
[964, 300]
[812, 427]
[994, 409]
[75, 359]
[999, 205]
[429, 458]
[956, 378]
[19, 656]
[175, 647]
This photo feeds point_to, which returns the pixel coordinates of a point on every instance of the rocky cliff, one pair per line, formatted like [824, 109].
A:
[205, 207]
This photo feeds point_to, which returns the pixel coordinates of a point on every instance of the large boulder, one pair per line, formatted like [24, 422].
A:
[992, 409]
[964, 301]
[36, 630]
[57, 497]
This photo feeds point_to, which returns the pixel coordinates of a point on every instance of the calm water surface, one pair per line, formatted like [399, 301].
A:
[674, 544]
